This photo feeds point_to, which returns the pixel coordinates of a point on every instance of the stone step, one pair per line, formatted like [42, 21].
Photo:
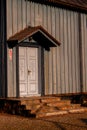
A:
[40, 100]
[69, 106]
[59, 103]
[78, 110]
[51, 113]
[60, 112]
[30, 102]
[50, 99]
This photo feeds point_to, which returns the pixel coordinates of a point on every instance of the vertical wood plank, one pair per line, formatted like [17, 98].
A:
[83, 52]
[32, 14]
[49, 22]
[28, 13]
[40, 14]
[46, 68]
[50, 72]
[85, 38]
[69, 52]
[58, 50]
[9, 18]
[73, 53]
[24, 13]
[36, 15]
[14, 15]
[62, 51]
[65, 52]
[45, 16]
[77, 60]
[53, 50]
[19, 15]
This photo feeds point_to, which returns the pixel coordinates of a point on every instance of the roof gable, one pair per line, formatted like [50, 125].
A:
[38, 33]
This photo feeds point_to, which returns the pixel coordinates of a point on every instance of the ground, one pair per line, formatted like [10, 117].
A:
[62, 122]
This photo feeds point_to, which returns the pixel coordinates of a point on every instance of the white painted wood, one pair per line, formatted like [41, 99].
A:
[32, 54]
[23, 82]
[28, 71]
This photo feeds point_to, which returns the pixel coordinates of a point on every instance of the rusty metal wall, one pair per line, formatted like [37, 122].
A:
[62, 72]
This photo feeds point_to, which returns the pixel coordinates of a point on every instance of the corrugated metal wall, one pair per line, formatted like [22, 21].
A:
[84, 50]
[62, 72]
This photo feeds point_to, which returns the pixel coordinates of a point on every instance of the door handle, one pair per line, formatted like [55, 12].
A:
[29, 72]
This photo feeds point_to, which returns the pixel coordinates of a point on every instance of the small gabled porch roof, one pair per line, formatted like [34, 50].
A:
[37, 33]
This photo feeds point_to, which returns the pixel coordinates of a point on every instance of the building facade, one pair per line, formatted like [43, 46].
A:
[44, 48]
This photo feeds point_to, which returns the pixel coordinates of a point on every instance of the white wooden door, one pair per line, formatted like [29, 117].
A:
[28, 71]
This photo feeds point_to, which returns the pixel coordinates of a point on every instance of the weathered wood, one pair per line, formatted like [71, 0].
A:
[62, 62]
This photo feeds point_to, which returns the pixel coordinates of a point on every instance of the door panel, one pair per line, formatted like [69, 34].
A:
[28, 71]
[32, 70]
[22, 71]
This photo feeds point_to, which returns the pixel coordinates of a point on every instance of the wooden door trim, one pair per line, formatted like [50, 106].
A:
[40, 58]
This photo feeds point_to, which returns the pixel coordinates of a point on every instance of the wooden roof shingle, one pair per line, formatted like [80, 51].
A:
[80, 5]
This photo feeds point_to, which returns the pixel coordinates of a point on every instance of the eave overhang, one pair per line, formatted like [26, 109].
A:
[37, 33]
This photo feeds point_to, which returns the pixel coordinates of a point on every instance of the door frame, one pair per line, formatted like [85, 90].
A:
[41, 87]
